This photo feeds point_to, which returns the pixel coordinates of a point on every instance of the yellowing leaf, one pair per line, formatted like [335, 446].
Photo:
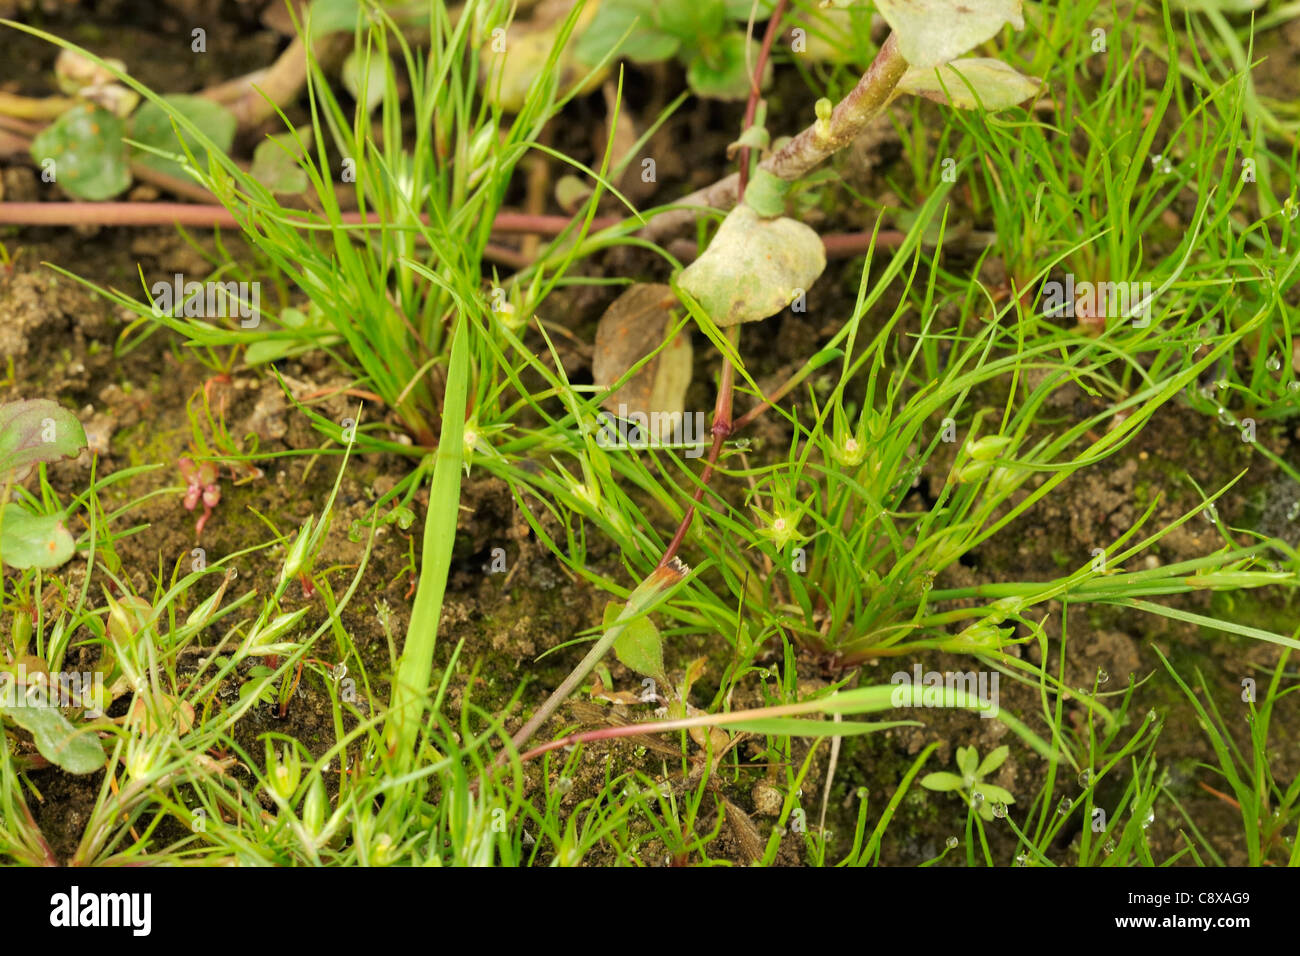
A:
[931, 32]
[754, 267]
[515, 60]
[153, 717]
[33, 541]
[971, 84]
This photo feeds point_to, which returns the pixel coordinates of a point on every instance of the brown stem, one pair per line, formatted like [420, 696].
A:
[755, 81]
[806, 151]
[864, 103]
[281, 82]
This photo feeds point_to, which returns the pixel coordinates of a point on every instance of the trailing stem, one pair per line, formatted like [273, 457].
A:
[806, 151]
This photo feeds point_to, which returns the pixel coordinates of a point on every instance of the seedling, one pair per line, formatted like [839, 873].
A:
[984, 798]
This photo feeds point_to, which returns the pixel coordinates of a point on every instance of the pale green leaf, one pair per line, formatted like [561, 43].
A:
[968, 760]
[931, 32]
[754, 267]
[37, 430]
[994, 794]
[994, 760]
[85, 153]
[942, 781]
[639, 646]
[275, 165]
[970, 84]
[364, 73]
[33, 541]
[76, 751]
[152, 126]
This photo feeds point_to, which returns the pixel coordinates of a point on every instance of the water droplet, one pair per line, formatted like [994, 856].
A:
[1293, 386]
[1168, 167]
[1102, 677]
[1155, 161]
[1293, 512]
[1000, 810]
[1150, 819]
[1210, 513]
[1273, 364]
[1085, 778]
[1065, 806]
[1151, 716]
[977, 799]
[564, 784]
[1109, 847]
[951, 843]
[1222, 384]
[779, 831]
[1226, 417]
[863, 793]
[1022, 859]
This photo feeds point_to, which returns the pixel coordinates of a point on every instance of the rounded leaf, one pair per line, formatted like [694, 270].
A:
[974, 83]
[632, 328]
[76, 751]
[33, 541]
[754, 267]
[931, 32]
[152, 126]
[34, 431]
[639, 646]
[722, 72]
[89, 156]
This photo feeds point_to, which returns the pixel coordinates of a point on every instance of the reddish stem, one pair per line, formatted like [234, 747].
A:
[189, 214]
[755, 80]
[722, 429]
